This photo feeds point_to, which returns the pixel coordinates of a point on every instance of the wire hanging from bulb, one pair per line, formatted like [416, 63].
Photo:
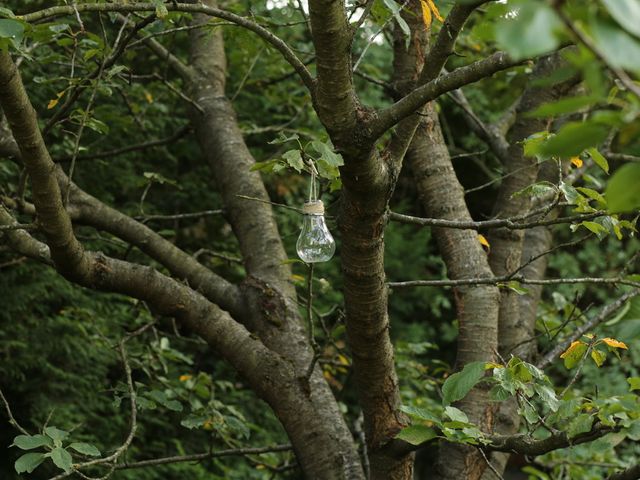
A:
[313, 191]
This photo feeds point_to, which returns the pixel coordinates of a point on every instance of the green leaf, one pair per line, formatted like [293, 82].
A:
[573, 138]
[536, 189]
[85, 449]
[595, 228]
[566, 105]
[266, 166]
[548, 396]
[592, 194]
[420, 413]
[12, 30]
[417, 434]
[498, 393]
[456, 415]
[28, 462]
[634, 383]
[294, 160]
[62, 459]
[329, 161]
[620, 49]
[622, 192]
[514, 286]
[28, 442]
[5, 12]
[580, 424]
[193, 421]
[459, 384]
[571, 194]
[598, 357]
[56, 434]
[395, 10]
[529, 413]
[574, 354]
[282, 138]
[626, 13]
[530, 31]
[161, 9]
[598, 159]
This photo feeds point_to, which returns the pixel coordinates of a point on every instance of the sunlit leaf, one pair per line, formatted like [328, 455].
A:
[574, 353]
[483, 241]
[598, 357]
[426, 13]
[598, 159]
[612, 342]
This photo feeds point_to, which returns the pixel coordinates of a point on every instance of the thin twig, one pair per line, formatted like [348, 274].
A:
[604, 314]
[179, 216]
[490, 465]
[12, 419]
[202, 456]
[509, 223]
[281, 205]
[132, 148]
[514, 278]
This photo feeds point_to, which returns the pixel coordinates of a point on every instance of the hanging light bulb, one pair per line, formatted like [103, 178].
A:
[315, 243]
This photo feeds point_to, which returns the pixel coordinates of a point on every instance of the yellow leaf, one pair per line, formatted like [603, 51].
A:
[483, 241]
[208, 424]
[571, 348]
[577, 161]
[297, 278]
[491, 365]
[342, 359]
[148, 97]
[612, 342]
[434, 9]
[53, 102]
[184, 378]
[426, 13]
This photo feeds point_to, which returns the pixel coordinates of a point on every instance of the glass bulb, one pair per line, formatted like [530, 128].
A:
[315, 243]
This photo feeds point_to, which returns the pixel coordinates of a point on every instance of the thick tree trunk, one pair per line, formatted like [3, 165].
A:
[309, 412]
[510, 248]
[477, 306]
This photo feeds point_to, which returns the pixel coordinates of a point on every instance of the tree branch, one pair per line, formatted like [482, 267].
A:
[262, 32]
[459, 77]
[526, 445]
[335, 98]
[604, 315]
[132, 148]
[202, 456]
[514, 278]
[512, 223]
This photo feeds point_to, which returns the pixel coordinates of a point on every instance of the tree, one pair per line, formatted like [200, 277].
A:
[572, 103]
